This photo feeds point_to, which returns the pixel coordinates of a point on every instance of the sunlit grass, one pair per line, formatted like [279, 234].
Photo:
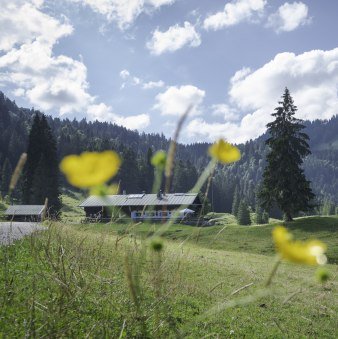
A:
[71, 281]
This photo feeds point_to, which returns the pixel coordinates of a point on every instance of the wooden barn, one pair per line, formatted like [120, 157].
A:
[25, 212]
[151, 207]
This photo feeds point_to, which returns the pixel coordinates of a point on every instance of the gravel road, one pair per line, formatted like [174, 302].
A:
[17, 230]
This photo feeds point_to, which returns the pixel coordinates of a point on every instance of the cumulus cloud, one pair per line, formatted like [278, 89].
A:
[233, 13]
[201, 130]
[174, 38]
[175, 100]
[153, 84]
[289, 17]
[312, 78]
[225, 111]
[49, 82]
[22, 21]
[123, 12]
[136, 81]
[27, 40]
[102, 112]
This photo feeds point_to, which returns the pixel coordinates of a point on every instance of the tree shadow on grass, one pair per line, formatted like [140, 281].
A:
[314, 224]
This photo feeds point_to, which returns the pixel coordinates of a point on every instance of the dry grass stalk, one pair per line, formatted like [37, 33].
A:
[17, 172]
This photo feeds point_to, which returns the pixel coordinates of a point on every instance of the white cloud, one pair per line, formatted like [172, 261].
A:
[312, 78]
[174, 38]
[22, 21]
[225, 111]
[289, 17]
[124, 74]
[234, 12]
[153, 84]
[123, 12]
[102, 112]
[28, 37]
[251, 126]
[49, 82]
[175, 100]
[135, 81]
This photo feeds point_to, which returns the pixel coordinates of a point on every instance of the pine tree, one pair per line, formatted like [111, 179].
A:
[34, 152]
[284, 182]
[41, 176]
[243, 216]
[5, 177]
[235, 202]
[265, 217]
[52, 169]
[258, 215]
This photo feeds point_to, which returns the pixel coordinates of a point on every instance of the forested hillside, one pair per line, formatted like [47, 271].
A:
[321, 167]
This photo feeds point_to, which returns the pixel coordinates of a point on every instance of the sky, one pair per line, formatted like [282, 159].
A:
[142, 63]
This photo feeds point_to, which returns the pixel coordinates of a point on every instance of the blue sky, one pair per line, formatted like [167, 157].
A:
[141, 63]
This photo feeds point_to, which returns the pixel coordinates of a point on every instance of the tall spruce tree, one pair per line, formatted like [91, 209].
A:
[243, 215]
[284, 182]
[41, 176]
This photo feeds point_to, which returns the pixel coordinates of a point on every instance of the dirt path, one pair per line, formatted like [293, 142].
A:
[17, 230]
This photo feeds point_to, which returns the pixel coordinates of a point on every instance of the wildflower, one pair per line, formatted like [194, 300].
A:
[159, 159]
[322, 275]
[309, 252]
[224, 152]
[90, 169]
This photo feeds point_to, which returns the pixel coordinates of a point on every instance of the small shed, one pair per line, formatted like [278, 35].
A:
[25, 212]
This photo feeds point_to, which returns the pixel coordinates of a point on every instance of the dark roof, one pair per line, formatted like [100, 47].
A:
[175, 199]
[25, 210]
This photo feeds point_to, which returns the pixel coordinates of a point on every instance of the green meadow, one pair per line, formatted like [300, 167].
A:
[117, 280]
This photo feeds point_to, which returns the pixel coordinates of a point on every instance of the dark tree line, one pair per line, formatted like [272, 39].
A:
[72, 136]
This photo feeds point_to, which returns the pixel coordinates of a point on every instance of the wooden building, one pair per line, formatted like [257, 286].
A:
[139, 207]
[25, 212]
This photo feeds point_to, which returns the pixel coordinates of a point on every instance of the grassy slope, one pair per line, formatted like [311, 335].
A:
[231, 237]
[70, 210]
[71, 281]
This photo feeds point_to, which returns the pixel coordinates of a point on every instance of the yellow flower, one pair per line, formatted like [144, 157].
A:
[159, 159]
[90, 168]
[309, 252]
[224, 152]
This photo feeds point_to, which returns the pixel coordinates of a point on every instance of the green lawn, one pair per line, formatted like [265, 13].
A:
[107, 281]
[232, 237]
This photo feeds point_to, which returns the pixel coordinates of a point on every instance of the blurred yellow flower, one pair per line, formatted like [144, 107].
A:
[309, 252]
[90, 169]
[224, 152]
[159, 159]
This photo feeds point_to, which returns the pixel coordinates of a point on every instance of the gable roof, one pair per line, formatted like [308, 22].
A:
[25, 210]
[120, 200]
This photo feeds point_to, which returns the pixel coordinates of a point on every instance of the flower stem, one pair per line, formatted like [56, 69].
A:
[273, 271]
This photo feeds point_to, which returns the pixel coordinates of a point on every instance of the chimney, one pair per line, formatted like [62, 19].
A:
[160, 195]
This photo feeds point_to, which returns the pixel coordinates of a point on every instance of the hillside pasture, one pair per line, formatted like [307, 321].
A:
[101, 280]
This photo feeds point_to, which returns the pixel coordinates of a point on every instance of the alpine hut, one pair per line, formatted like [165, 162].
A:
[152, 207]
